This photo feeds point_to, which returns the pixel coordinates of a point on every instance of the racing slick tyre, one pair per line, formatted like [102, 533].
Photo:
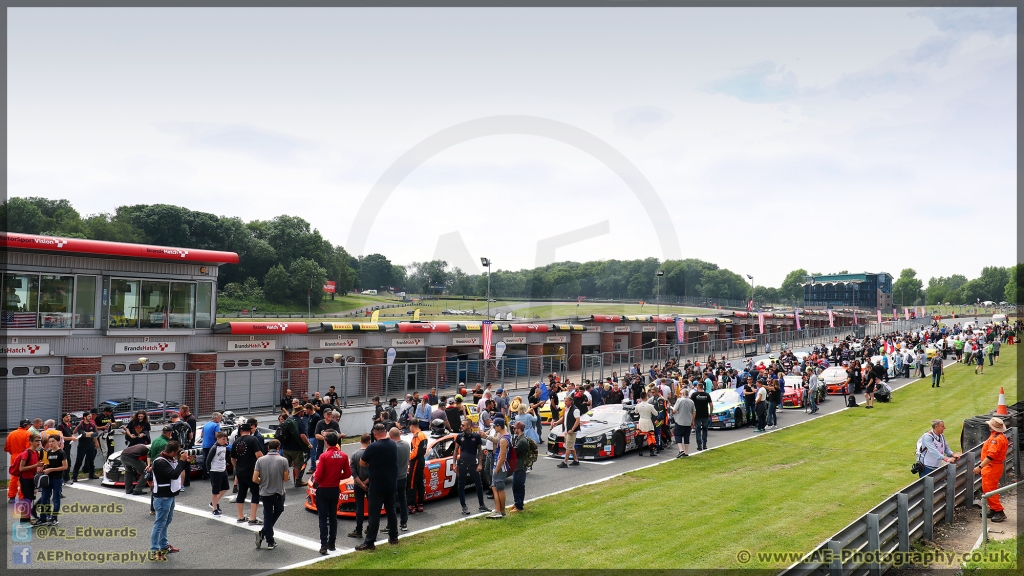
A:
[619, 444]
[737, 418]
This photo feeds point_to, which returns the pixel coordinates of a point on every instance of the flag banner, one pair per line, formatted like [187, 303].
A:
[680, 331]
[750, 306]
[796, 315]
[17, 319]
[906, 313]
[486, 328]
[760, 321]
[895, 316]
[831, 319]
[392, 354]
[879, 316]
[854, 317]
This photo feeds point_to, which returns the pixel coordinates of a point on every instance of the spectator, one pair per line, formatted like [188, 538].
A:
[188, 418]
[68, 432]
[106, 423]
[933, 450]
[936, 371]
[469, 453]
[55, 464]
[158, 446]
[27, 463]
[168, 467]
[417, 469]
[423, 413]
[645, 424]
[761, 404]
[521, 447]
[703, 407]
[813, 385]
[483, 428]
[137, 430]
[361, 477]
[210, 430]
[570, 422]
[294, 443]
[271, 473]
[333, 467]
[379, 458]
[503, 441]
[312, 419]
[683, 413]
[87, 444]
[245, 452]
[216, 465]
[134, 459]
[16, 443]
[401, 493]
[454, 414]
[286, 400]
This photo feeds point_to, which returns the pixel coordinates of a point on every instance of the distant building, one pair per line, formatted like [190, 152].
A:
[864, 290]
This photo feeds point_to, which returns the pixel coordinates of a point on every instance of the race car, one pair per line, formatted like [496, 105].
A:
[440, 475]
[605, 432]
[835, 380]
[794, 397]
[728, 408]
[125, 408]
[471, 411]
[545, 409]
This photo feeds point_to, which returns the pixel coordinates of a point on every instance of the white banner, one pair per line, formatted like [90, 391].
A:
[649, 329]
[252, 344]
[514, 339]
[621, 329]
[499, 350]
[392, 354]
[556, 339]
[25, 350]
[466, 341]
[408, 342]
[346, 343]
[136, 347]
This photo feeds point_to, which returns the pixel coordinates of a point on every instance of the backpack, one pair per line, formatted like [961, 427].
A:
[407, 415]
[513, 459]
[851, 402]
[286, 431]
[532, 453]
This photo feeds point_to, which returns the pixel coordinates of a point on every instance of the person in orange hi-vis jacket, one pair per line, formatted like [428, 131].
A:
[993, 454]
[17, 442]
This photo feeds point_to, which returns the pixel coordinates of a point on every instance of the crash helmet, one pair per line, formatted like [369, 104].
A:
[437, 427]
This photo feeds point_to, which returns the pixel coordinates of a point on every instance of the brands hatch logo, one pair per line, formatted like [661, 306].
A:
[171, 251]
[32, 348]
[29, 349]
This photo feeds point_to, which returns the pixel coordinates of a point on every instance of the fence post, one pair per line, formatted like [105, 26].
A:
[197, 392]
[1016, 451]
[929, 506]
[972, 461]
[873, 535]
[950, 492]
[249, 408]
[903, 521]
[836, 566]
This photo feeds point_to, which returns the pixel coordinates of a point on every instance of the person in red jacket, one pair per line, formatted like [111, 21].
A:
[331, 468]
[28, 463]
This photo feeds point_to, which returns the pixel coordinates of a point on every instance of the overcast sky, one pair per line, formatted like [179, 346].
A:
[825, 139]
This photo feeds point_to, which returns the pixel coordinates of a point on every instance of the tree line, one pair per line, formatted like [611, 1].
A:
[281, 258]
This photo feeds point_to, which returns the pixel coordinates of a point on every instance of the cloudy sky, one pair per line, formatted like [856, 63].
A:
[771, 138]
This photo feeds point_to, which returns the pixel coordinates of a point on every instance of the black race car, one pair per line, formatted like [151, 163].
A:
[607, 431]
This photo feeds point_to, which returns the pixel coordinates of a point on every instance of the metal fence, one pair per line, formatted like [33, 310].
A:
[868, 545]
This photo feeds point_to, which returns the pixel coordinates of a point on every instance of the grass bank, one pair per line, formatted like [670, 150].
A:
[781, 492]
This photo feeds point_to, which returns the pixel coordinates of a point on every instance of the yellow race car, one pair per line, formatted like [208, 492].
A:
[471, 411]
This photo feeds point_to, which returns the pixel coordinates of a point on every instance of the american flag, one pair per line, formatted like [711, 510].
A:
[17, 319]
[485, 328]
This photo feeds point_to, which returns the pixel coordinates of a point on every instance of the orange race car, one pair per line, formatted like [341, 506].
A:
[439, 476]
[835, 380]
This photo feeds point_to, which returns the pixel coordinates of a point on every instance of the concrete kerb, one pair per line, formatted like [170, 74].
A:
[601, 480]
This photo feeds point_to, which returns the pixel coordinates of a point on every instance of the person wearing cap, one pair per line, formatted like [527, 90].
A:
[16, 443]
[454, 413]
[993, 455]
[503, 443]
[104, 423]
[501, 402]
[521, 446]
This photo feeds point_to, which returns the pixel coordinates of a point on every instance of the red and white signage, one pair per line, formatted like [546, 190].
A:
[140, 347]
[252, 344]
[557, 339]
[25, 350]
[341, 343]
[475, 340]
[330, 287]
[649, 329]
[621, 329]
[409, 342]
[264, 328]
[529, 327]
[423, 327]
[606, 318]
[104, 248]
[514, 339]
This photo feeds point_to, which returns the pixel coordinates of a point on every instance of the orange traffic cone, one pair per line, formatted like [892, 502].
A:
[1001, 408]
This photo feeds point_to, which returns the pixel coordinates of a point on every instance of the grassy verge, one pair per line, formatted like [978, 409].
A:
[996, 555]
[227, 305]
[563, 310]
[782, 492]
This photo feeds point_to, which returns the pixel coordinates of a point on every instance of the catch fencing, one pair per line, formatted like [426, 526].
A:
[870, 544]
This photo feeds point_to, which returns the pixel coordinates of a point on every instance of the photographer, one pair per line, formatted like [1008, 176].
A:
[933, 451]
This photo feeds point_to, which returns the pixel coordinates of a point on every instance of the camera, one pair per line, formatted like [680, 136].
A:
[917, 468]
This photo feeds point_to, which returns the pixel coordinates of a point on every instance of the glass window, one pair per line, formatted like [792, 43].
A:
[20, 370]
[318, 360]
[328, 359]
[135, 367]
[169, 366]
[85, 302]
[243, 363]
[183, 304]
[204, 305]
[55, 297]
[154, 366]
[118, 368]
[3, 371]
[40, 370]
[269, 362]
[153, 304]
[256, 363]
[229, 363]
[21, 301]
[124, 303]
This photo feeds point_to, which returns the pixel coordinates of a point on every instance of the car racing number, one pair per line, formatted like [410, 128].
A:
[450, 473]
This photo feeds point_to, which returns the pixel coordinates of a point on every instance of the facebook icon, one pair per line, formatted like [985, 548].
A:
[21, 554]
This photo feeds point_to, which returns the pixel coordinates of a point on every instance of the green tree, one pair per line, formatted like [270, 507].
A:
[791, 288]
[906, 291]
[277, 284]
[375, 272]
[993, 280]
[1013, 289]
[21, 216]
[307, 277]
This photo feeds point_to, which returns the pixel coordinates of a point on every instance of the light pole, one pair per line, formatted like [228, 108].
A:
[309, 297]
[658, 275]
[751, 278]
[487, 262]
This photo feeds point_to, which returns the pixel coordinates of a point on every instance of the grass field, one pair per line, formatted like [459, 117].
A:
[328, 306]
[586, 309]
[992, 556]
[782, 492]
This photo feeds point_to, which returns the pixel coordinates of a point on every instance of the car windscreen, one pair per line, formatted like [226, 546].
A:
[724, 396]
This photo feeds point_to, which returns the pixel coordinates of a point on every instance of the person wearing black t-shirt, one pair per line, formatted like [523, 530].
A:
[137, 429]
[86, 430]
[104, 423]
[56, 463]
[470, 456]
[380, 457]
[244, 453]
[68, 432]
[703, 407]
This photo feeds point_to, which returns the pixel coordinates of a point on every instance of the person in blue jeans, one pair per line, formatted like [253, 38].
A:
[57, 463]
[521, 446]
[703, 408]
[167, 470]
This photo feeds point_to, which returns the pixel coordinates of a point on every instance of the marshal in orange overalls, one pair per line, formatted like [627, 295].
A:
[995, 450]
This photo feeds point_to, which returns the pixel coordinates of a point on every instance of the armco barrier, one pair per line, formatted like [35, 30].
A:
[900, 520]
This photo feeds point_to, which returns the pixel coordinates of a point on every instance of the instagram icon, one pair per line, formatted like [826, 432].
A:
[22, 509]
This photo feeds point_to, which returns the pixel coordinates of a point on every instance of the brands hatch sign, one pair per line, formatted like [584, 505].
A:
[252, 344]
[148, 347]
[25, 350]
[341, 343]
